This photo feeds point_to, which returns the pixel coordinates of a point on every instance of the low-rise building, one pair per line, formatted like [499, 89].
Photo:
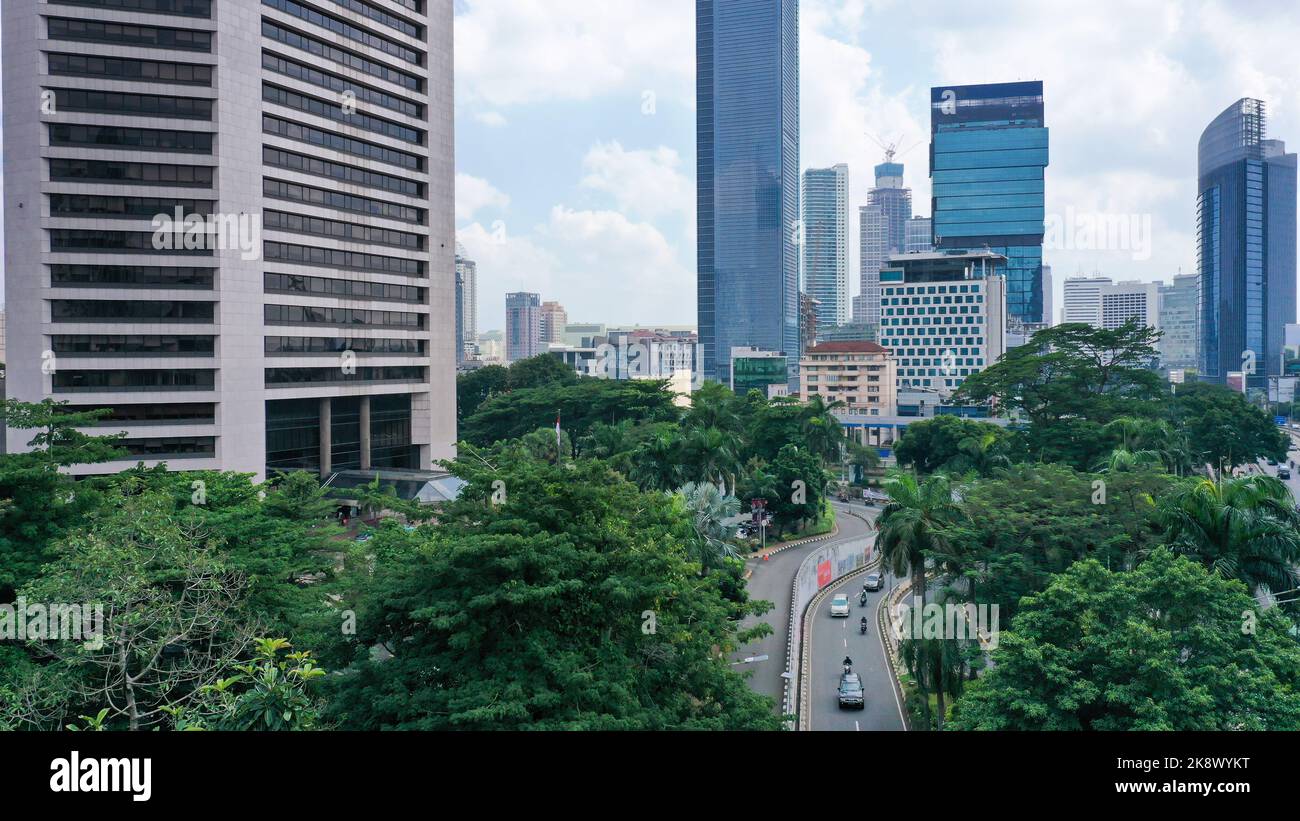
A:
[859, 374]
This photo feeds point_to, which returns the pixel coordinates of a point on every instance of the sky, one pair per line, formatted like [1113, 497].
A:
[575, 127]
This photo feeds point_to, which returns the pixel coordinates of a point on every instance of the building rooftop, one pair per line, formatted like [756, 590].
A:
[846, 346]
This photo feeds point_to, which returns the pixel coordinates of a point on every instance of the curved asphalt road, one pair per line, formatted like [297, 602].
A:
[834, 638]
[771, 580]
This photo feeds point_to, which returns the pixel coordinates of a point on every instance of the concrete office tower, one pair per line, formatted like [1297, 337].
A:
[1049, 297]
[1179, 322]
[882, 225]
[826, 243]
[943, 316]
[988, 154]
[523, 326]
[314, 327]
[467, 278]
[1131, 301]
[553, 320]
[1082, 299]
[747, 178]
[918, 236]
[873, 250]
[1246, 245]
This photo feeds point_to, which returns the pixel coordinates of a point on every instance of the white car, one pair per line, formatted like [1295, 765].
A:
[840, 605]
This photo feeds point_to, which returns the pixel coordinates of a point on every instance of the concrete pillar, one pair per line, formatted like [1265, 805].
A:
[326, 437]
[365, 433]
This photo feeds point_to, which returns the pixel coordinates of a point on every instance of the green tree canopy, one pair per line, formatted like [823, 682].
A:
[953, 445]
[569, 605]
[580, 406]
[1165, 646]
[1074, 371]
[474, 387]
[1223, 428]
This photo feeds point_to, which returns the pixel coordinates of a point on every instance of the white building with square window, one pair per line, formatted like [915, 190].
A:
[943, 316]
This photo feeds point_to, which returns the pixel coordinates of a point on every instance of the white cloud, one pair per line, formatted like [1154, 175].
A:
[535, 51]
[492, 119]
[506, 263]
[474, 194]
[647, 183]
[618, 270]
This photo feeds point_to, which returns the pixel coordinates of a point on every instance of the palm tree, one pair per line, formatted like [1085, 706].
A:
[822, 432]
[710, 508]
[1127, 461]
[938, 666]
[983, 453]
[656, 463]
[914, 524]
[1154, 437]
[713, 406]
[711, 456]
[1246, 529]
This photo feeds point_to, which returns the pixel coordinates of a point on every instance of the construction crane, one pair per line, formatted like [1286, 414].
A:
[891, 148]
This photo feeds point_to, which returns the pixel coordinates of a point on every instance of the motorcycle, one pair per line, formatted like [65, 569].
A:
[862, 598]
[862, 627]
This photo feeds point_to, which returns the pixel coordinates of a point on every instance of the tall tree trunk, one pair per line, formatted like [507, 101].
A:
[938, 692]
[132, 711]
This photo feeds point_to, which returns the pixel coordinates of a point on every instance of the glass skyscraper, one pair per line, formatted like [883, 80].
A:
[1246, 245]
[988, 152]
[747, 144]
[826, 243]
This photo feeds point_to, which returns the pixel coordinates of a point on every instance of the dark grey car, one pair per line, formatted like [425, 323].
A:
[851, 693]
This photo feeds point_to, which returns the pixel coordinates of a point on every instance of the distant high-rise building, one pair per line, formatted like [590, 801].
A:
[1083, 300]
[895, 200]
[554, 318]
[1049, 297]
[1179, 323]
[809, 309]
[988, 153]
[747, 178]
[1126, 302]
[1246, 245]
[826, 243]
[882, 232]
[873, 250]
[460, 316]
[919, 236]
[314, 330]
[467, 281]
[523, 326]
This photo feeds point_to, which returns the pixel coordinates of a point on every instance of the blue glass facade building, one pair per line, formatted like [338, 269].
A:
[1246, 245]
[988, 155]
[747, 178]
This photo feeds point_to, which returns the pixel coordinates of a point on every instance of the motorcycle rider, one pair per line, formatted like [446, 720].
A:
[863, 624]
